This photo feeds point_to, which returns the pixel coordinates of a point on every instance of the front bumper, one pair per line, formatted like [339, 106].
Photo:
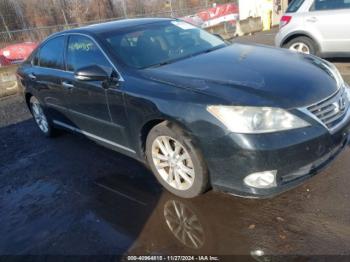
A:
[296, 155]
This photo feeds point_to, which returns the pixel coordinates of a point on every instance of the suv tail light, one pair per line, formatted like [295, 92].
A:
[285, 20]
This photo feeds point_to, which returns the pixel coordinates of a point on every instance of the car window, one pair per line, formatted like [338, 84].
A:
[51, 54]
[159, 43]
[83, 52]
[322, 5]
[295, 5]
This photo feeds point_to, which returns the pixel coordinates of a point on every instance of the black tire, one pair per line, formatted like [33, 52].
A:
[305, 40]
[50, 131]
[200, 181]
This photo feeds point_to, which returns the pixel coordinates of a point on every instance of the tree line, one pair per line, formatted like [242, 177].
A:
[24, 14]
[34, 20]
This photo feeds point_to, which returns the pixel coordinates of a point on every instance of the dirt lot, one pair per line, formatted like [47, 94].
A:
[69, 196]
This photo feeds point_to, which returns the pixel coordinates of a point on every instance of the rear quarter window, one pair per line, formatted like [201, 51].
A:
[295, 5]
[51, 54]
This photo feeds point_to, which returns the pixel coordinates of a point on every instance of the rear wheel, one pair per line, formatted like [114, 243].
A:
[302, 45]
[41, 119]
[175, 161]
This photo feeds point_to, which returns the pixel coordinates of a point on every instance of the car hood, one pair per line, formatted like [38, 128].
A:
[252, 75]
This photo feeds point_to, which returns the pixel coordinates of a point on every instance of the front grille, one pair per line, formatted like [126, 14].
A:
[332, 110]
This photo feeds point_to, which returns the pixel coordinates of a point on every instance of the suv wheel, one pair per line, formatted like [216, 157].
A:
[175, 161]
[302, 45]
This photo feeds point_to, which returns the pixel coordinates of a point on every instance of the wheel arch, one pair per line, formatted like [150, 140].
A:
[151, 123]
[27, 97]
[296, 34]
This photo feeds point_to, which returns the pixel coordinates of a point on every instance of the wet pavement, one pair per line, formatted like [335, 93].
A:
[69, 196]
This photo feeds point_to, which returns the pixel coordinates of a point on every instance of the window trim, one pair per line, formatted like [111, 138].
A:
[66, 36]
[121, 79]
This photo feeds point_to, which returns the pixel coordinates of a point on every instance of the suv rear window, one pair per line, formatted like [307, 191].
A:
[294, 6]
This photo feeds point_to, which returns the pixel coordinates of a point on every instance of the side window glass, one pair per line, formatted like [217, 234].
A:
[51, 54]
[322, 5]
[83, 52]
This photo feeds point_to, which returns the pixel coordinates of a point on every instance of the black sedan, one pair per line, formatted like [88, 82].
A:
[250, 120]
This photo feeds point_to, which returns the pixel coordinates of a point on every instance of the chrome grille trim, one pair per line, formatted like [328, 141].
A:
[333, 111]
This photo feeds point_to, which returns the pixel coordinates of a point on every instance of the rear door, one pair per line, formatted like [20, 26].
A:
[46, 73]
[331, 20]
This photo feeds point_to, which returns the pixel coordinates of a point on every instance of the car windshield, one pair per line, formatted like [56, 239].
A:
[294, 6]
[160, 43]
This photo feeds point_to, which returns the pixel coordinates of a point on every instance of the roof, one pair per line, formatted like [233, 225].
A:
[115, 25]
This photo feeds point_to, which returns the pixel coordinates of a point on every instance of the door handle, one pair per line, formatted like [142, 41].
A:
[312, 19]
[32, 76]
[67, 85]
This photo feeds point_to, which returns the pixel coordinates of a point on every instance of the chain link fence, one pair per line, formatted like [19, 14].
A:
[40, 33]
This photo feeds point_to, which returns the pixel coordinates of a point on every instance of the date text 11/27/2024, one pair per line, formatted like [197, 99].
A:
[173, 258]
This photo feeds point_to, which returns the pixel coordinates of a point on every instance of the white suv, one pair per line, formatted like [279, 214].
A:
[318, 27]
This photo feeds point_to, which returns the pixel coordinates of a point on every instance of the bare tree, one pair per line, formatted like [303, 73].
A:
[78, 10]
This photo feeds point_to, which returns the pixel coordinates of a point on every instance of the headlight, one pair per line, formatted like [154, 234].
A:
[255, 120]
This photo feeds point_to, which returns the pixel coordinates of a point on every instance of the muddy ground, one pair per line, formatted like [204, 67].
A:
[69, 196]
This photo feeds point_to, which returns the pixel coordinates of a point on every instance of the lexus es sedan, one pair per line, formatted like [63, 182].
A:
[249, 120]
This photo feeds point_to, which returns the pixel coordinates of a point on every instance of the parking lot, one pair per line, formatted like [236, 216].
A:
[69, 196]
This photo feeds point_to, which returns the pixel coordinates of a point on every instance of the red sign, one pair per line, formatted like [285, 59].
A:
[214, 16]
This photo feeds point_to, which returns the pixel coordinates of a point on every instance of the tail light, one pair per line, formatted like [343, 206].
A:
[285, 20]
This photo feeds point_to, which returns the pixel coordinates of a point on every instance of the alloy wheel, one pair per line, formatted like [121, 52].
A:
[173, 163]
[300, 47]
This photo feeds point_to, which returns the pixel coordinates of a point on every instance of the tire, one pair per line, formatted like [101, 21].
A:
[298, 44]
[175, 161]
[41, 118]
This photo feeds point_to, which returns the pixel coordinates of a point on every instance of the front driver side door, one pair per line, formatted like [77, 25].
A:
[87, 101]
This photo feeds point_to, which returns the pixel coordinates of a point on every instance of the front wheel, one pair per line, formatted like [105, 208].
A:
[175, 161]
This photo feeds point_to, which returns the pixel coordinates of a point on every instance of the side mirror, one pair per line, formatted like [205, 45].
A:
[91, 73]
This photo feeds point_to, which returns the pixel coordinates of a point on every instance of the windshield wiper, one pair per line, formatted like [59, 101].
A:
[159, 64]
[184, 57]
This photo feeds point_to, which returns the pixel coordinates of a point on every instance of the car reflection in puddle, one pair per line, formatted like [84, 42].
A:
[162, 223]
[184, 224]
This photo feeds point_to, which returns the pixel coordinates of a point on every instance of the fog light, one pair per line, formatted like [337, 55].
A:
[265, 179]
